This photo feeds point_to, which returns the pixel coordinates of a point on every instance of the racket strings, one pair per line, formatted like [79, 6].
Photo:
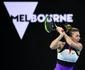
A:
[49, 26]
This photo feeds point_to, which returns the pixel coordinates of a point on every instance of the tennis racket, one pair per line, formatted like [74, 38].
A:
[49, 26]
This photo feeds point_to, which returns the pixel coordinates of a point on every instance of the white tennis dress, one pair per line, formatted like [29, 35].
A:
[65, 56]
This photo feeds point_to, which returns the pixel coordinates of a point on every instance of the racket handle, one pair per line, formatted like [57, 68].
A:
[56, 26]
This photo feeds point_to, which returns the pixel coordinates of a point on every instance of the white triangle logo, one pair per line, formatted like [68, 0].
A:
[16, 9]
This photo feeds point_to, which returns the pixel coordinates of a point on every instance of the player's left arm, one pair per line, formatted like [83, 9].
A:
[77, 46]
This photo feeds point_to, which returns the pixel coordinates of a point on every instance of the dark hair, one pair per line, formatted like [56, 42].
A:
[70, 29]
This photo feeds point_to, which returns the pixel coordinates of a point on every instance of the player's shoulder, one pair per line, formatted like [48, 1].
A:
[80, 44]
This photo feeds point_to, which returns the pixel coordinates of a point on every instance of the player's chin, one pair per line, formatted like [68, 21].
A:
[78, 40]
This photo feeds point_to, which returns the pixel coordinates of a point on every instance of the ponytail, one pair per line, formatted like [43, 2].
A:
[68, 27]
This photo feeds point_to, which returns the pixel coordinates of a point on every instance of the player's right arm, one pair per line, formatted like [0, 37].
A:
[56, 43]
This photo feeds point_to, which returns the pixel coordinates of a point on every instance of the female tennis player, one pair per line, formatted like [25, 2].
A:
[67, 52]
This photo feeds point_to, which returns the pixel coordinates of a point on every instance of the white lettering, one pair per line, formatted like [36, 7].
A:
[33, 19]
[41, 18]
[69, 17]
[63, 18]
[56, 18]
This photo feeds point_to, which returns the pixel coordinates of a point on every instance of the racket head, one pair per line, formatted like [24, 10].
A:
[49, 26]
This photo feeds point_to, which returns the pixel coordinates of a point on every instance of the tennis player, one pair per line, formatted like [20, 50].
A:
[67, 52]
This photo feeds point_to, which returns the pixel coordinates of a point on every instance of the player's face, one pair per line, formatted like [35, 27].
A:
[76, 36]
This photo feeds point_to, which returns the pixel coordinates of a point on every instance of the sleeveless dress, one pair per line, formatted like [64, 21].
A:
[66, 58]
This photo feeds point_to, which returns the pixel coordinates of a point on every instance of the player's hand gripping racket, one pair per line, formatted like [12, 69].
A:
[49, 26]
